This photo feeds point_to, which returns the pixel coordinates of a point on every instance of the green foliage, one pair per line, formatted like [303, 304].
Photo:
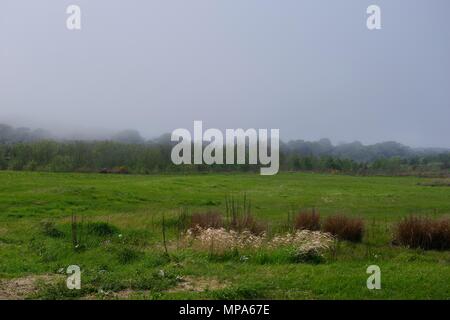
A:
[128, 152]
[307, 256]
[127, 255]
[238, 293]
[59, 291]
[132, 206]
[101, 229]
[49, 229]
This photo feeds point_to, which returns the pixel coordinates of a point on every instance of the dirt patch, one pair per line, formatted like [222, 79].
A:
[118, 295]
[192, 284]
[198, 284]
[20, 288]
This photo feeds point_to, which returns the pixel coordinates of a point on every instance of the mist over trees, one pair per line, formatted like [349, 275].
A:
[128, 151]
[9, 134]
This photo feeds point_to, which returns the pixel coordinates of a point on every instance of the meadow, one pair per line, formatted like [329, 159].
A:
[122, 254]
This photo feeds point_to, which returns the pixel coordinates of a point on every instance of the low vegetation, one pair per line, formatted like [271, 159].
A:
[127, 152]
[112, 227]
[206, 220]
[307, 221]
[424, 233]
[345, 228]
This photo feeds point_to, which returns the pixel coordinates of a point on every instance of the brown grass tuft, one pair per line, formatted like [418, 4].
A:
[207, 220]
[240, 216]
[425, 233]
[345, 228]
[307, 221]
[248, 223]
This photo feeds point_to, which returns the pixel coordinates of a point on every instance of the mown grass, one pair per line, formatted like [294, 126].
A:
[122, 237]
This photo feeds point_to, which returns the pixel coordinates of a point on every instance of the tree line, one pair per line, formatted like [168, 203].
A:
[128, 152]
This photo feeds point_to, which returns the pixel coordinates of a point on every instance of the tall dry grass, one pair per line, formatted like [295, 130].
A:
[422, 232]
[211, 219]
[219, 241]
[345, 228]
[240, 217]
[307, 220]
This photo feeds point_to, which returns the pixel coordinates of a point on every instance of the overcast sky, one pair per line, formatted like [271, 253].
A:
[310, 68]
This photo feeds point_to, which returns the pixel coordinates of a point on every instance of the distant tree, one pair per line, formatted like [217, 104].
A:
[128, 136]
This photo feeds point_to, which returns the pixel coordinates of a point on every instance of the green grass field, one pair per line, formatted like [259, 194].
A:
[130, 262]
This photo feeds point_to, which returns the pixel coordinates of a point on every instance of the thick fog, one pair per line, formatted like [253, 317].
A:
[310, 68]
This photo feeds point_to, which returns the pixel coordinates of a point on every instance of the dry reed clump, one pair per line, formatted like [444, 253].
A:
[307, 221]
[302, 238]
[345, 228]
[240, 216]
[306, 243]
[248, 223]
[206, 220]
[425, 233]
[221, 240]
[309, 246]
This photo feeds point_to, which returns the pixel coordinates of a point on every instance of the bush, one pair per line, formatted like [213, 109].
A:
[307, 221]
[345, 228]
[425, 233]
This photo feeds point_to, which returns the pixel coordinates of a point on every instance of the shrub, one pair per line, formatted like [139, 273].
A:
[425, 233]
[345, 228]
[307, 221]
